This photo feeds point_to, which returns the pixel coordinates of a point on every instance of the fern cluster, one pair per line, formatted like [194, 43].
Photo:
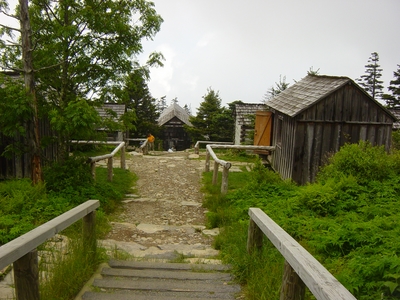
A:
[348, 219]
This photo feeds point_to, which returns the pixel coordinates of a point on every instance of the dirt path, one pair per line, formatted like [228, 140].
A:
[165, 218]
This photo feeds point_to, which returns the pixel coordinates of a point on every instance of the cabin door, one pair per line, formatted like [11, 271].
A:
[263, 128]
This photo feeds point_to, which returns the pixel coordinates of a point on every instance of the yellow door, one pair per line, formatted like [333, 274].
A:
[263, 128]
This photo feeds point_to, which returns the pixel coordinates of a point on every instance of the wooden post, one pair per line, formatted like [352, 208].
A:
[254, 237]
[293, 288]
[110, 169]
[123, 164]
[215, 174]
[196, 149]
[89, 232]
[26, 277]
[207, 169]
[224, 185]
[93, 169]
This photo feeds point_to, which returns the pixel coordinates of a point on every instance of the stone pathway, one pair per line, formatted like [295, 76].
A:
[165, 218]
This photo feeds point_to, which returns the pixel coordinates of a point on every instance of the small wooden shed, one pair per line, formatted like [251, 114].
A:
[316, 116]
[172, 121]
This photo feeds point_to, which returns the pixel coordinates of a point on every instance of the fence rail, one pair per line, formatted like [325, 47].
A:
[301, 268]
[22, 253]
[197, 145]
[226, 165]
[109, 157]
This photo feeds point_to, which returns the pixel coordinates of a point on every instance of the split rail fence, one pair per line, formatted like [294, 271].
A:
[301, 268]
[109, 157]
[226, 165]
[22, 252]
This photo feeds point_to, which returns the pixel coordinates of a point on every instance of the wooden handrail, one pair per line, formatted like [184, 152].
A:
[23, 254]
[226, 165]
[109, 157]
[301, 267]
[197, 145]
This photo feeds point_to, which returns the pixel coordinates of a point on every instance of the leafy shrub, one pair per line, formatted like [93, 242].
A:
[23, 207]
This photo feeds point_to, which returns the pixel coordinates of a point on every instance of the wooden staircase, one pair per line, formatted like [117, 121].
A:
[152, 280]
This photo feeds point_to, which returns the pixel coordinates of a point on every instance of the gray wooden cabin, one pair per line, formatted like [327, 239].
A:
[316, 116]
[172, 121]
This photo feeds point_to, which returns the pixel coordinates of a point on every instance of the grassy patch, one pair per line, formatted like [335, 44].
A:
[64, 270]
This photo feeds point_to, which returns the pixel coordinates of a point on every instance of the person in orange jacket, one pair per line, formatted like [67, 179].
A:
[150, 142]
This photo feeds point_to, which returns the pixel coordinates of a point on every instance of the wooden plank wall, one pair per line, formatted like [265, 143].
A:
[308, 139]
[282, 160]
[346, 116]
[19, 165]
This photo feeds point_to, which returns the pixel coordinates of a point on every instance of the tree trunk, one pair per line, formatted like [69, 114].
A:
[33, 124]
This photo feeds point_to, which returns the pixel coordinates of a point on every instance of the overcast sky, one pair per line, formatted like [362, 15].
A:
[240, 48]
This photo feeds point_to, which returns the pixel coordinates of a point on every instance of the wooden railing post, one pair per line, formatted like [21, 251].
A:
[293, 288]
[123, 164]
[93, 169]
[207, 168]
[26, 276]
[254, 237]
[89, 232]
[225, 176]
[110, 169]
[215, 174]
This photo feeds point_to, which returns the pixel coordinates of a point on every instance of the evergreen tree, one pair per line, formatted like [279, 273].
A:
[187, 109]
[137, 97]
[205, 122]
[393, 99]
[370, 81]
[161, 104]
[277, 89]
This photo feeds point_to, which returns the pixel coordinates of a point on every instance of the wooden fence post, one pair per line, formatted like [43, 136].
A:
[293, 288]
[215, 174]
[123, 164]
[224, 185]
[26, 276]
[89, 233]
[93, 169]
[207, 168]
[254, 237]
[110, 169]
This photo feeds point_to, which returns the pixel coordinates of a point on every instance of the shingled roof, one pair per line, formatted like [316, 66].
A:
[305, 93]
[104, 111]
[174, 110]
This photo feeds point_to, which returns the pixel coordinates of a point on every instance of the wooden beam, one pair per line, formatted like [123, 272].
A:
[215, 174]
[321, 283]
[26, 276]
[29, 241]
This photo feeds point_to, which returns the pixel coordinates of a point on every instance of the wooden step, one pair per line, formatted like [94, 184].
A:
[147, 280]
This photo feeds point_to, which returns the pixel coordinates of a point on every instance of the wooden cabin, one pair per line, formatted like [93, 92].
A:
[172, 121]
[18, 164]
[315, 117]
[115, 112]
[244, 114]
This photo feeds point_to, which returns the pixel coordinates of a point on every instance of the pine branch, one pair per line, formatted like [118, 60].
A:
[10, 28]
[9, 15]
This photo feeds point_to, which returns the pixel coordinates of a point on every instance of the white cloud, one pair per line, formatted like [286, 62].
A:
[206, 39]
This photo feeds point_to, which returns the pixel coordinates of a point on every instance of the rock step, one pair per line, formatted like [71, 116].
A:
[147, 280]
